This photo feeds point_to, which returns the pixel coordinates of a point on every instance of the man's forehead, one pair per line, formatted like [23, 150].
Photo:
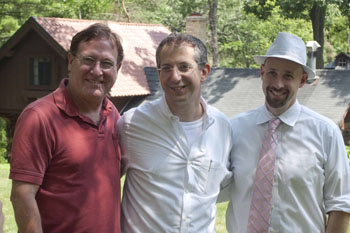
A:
[184, 51]
[281, 64]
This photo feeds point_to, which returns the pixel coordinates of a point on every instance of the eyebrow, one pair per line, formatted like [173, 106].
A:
[288, 72]
[285, 72]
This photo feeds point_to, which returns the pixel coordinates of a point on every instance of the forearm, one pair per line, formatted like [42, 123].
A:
[338, 222]
[26, 211]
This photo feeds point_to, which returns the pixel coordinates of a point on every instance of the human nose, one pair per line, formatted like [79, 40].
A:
[278, 82]
[175, 73]
[96, 68]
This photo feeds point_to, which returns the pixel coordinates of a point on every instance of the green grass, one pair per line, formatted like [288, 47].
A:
[10, 224]
[220, 218]
[5, 189]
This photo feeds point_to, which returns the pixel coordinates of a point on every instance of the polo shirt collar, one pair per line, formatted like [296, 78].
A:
[289, 117]
[65, 102]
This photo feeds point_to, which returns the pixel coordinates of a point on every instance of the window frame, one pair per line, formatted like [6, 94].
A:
[28, 71]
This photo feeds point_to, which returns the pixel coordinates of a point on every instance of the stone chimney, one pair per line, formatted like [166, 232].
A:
[196, 25]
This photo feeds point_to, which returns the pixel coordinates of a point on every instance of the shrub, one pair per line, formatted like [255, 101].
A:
[3, 141]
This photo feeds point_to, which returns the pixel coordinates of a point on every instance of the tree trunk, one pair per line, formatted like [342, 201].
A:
[213, 24]
[125, 11]
[348, 40]
[317, 15]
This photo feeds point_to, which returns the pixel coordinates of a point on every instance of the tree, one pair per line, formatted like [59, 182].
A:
[314, 10]
[336, 30]
[13, 13]
[213, 24]
[345, 10]
[242, 35]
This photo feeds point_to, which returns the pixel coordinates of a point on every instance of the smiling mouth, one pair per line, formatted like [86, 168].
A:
[94, 82]
[177, 88]
[277, 93]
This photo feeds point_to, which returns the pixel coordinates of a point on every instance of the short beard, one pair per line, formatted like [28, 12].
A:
[273, 102]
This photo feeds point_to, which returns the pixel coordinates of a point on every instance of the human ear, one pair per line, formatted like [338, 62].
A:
[304, 78]
[205, 72]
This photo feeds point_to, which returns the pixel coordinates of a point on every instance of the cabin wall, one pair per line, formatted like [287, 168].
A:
[15, 90]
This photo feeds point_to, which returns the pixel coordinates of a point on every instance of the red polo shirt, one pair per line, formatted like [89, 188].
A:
[75, 162]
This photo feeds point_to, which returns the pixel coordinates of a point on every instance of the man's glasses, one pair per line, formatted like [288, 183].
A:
[180, 69]
[91, 62]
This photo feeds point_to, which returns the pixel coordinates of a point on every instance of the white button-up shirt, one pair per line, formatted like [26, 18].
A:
[311, 177]
[171, 186]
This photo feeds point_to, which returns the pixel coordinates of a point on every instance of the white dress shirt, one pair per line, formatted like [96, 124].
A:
[311, 174]
[172, 186]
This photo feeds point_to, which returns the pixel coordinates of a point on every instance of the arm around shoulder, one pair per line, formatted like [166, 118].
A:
[25, 207]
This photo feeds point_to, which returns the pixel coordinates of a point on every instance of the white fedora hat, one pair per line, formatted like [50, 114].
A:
[290, 47]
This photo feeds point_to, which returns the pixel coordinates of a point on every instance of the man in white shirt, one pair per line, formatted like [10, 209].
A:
[311, 172]
[176, 148]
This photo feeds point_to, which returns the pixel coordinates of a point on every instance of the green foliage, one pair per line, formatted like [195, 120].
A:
[348, 151]
[13, 13]
[8, 25]
[313, 10]
[82, 9]
[241, 36]
[344, 7]
[262, 9]
[290, 8]
[336, 28]
[3, 141]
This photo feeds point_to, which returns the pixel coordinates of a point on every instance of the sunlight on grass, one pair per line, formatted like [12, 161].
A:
[5, 189]
[220, 218]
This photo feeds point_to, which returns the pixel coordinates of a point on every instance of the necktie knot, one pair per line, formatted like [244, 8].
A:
[273, 124]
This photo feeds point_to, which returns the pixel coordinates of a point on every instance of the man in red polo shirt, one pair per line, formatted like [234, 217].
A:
[65, 162]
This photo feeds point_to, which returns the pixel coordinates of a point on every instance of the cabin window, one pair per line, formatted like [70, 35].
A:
[343, 61]
[40, 71]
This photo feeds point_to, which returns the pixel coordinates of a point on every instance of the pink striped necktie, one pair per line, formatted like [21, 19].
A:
[260, 207]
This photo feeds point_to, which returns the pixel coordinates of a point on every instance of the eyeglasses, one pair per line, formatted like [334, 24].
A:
[181, 69]
[91, 62]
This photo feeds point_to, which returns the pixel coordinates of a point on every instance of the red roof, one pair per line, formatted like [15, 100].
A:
[139, 42]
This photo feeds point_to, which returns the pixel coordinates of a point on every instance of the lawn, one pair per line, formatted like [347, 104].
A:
[10, 225]
[5, 188]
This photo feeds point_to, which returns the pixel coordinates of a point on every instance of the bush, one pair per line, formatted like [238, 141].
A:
[3, 141]
[348, 151]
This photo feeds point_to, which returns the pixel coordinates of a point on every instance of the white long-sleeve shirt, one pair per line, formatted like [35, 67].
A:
[312, 175]
[172, 186]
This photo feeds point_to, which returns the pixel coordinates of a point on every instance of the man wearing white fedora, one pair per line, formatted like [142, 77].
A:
[289, 163]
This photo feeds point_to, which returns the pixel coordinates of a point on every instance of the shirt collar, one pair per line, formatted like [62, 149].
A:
[166, 110]
[65, 102]
[289, 117]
